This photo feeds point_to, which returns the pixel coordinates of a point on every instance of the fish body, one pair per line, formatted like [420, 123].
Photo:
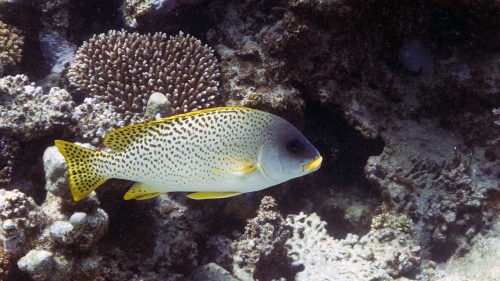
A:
[218, 152]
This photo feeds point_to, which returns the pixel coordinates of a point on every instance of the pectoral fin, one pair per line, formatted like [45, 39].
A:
[140, 191]
[211, 195]
[245, 172]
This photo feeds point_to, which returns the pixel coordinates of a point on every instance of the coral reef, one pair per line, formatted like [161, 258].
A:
[137, 13]
[397, 96]
[379, 255]
[212, 272]
[249, 74]
[27, 113]
[260, 252]
[119, 68]
[9, 149]
[150, 240]
[11, 44]
[400, 222]
[436, 193]
[55, 29]
[120, 73]
[55, 226]
[21, 220]
[480, 263]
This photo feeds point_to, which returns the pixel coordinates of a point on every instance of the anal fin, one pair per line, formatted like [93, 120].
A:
[140, 191]
[211, 195]
[245, 172]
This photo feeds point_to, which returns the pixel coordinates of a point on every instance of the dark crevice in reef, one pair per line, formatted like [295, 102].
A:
[130, 222]
[93, 17]
[345, 151]
[29, 167]
[32, 64]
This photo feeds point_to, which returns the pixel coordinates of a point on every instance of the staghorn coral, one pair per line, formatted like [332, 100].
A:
[11, 44]
[119, 68]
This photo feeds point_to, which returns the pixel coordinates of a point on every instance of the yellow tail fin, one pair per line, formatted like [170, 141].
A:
[83, 176]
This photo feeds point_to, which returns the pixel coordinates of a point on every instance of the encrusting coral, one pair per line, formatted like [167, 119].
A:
[11, 44]
[119, 68]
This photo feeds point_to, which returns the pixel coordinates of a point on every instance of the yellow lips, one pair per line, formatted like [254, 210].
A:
[313, 166]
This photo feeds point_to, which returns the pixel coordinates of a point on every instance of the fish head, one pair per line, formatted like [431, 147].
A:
[288, 155]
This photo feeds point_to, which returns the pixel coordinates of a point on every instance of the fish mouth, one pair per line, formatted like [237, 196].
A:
[313, 166]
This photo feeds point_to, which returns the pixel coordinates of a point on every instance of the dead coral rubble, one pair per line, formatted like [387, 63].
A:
[119, 68]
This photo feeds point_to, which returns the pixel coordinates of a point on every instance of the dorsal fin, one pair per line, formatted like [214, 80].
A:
[118, 140]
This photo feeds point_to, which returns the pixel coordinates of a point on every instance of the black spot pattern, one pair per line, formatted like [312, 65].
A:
[84, 177]
[190, 152]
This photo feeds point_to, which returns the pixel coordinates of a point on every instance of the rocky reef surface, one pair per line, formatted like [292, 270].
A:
[399, 97]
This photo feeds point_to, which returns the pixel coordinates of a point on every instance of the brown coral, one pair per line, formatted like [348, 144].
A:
[123, 69]
[11, 44]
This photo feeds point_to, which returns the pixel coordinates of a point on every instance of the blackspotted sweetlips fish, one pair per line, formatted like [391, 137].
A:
[215, 153]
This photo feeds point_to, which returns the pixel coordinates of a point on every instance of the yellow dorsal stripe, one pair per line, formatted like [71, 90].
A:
[120, 139]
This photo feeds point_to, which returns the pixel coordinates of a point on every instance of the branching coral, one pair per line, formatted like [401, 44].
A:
[11, 44]
[123, 69]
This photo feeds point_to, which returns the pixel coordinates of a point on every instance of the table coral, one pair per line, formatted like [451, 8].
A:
[11, 44]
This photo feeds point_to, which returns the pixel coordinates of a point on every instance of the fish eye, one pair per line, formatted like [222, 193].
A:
[293, 145]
